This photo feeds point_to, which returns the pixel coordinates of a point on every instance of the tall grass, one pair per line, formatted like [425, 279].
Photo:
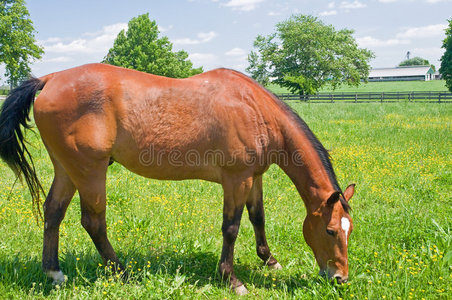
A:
[168, 233]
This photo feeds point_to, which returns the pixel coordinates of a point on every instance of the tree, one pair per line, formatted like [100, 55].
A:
[141, 49]
[446, 59]
[417, 61]
[18, 46]
[304, 54]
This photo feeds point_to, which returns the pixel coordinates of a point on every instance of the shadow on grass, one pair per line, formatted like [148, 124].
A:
[199, 268]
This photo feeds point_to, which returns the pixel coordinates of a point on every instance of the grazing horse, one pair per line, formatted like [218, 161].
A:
[219, 126]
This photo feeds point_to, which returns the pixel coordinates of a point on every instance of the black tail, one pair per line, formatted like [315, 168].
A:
[15, 112]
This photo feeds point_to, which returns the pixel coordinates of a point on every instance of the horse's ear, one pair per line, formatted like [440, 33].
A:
[349, 191]
[333, 198]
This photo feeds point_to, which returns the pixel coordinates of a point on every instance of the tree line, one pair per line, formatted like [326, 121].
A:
[303, 54]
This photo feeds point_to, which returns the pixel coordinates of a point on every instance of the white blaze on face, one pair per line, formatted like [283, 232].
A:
[345, 223]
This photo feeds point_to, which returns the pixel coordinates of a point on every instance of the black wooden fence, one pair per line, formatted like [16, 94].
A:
[387, 97]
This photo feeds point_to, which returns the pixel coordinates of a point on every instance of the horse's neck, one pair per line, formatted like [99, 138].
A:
[304, 167]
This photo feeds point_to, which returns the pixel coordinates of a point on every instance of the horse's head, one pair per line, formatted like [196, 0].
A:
[327, 230]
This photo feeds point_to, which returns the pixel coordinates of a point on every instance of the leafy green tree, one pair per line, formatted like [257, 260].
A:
[304, 54]
[416, 61]
[18, 46]
[446, 59]
[141, 49]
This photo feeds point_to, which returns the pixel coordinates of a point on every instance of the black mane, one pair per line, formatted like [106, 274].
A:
[321, 151]
[324, 156]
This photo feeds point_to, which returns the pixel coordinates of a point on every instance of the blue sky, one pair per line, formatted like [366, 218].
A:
[220, 33]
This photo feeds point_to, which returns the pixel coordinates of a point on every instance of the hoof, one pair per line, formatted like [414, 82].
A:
[57, 276]
[276, 266]
[241, 290]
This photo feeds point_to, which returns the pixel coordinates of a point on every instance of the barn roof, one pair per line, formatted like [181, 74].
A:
[400, 71]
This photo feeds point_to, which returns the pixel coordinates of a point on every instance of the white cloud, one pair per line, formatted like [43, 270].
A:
[52, 40]
[91, 42]
[165, 29]
[78, 45]
[203, 37]
[112, 29]
[200, 59]
[58, 59]
[332, 8]
[239, 67]
[207, 36]
[237, 58]
[423, 32]
[236, 52]
[243, 5]
[328, 13]
[352, 5]
[273, 13]
[428, 1]
[369, 41]
[426, 52]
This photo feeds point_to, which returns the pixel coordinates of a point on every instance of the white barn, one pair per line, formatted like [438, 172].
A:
[424, 73]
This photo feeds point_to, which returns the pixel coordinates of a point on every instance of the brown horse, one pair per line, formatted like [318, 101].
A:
[219, 126]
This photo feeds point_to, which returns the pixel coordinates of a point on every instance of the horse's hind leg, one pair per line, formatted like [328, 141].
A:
[255, 207]
[55, 206]
[93, 206]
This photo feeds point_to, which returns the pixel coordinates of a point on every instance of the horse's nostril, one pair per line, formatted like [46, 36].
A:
[340, 279]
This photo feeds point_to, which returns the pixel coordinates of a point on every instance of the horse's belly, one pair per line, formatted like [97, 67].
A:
[169, 163]
[172, 172]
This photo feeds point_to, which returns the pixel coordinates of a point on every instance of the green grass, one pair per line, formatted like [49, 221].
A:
[394, 86]
[168, 233]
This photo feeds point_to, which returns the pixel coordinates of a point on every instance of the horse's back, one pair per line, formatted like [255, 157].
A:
[99, 111]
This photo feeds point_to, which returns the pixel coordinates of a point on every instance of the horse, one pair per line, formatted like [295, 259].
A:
[220, 126]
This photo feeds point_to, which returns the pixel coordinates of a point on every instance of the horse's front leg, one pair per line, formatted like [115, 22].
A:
[255, 206]
[55, 206]
[235, 195]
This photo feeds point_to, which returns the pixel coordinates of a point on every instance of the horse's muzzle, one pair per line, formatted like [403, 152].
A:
[336, 277]
[340, 279]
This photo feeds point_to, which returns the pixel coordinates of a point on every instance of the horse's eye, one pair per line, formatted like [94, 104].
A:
[331, 232]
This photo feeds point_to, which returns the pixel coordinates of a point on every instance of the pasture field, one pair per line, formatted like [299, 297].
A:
[379, 87]
[169, 233]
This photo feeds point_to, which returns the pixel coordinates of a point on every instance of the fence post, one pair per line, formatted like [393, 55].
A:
[332, 98]
[382, 96]
[439, 98]
[356, 97]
